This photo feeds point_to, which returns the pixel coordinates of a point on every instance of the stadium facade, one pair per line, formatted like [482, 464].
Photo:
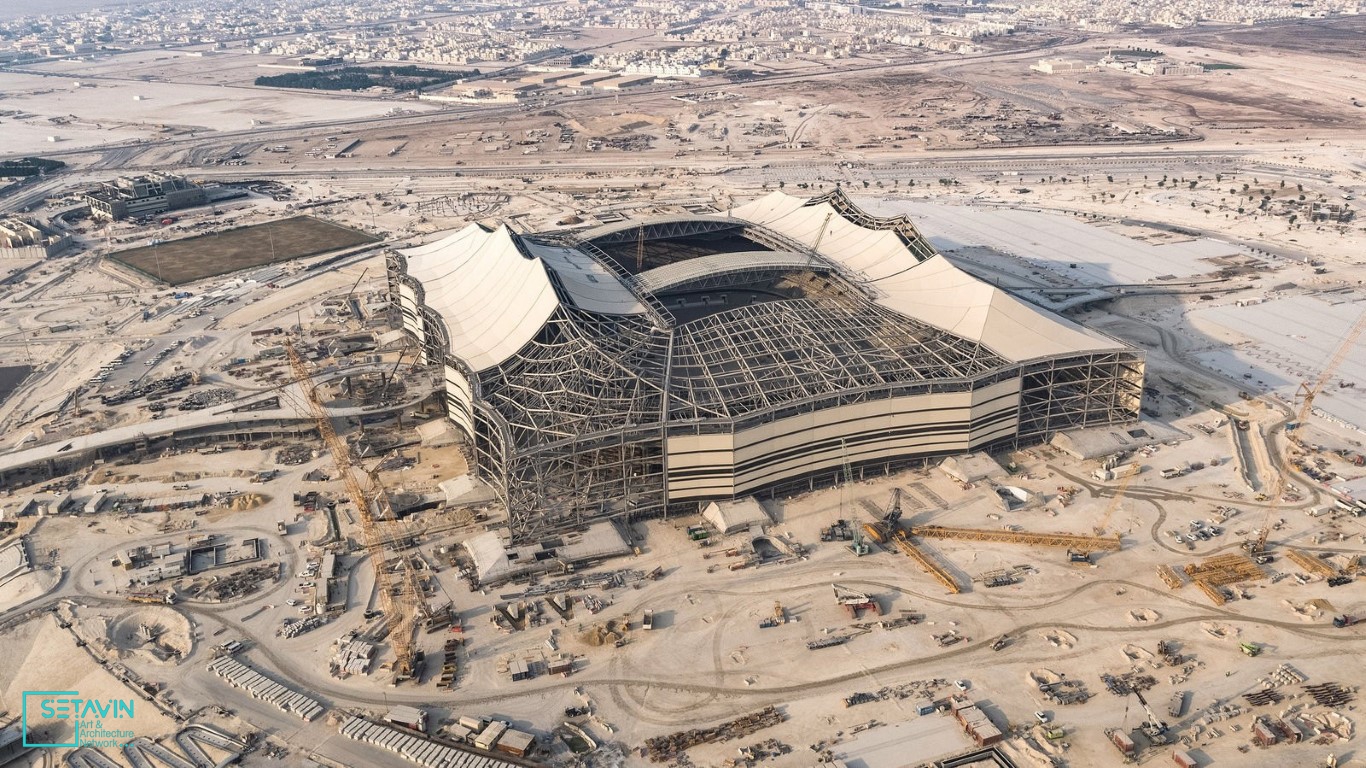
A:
[646, 366]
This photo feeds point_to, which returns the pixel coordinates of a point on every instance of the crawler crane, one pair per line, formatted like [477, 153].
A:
[399, 610]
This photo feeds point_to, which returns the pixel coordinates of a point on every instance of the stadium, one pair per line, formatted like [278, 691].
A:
[648, 366]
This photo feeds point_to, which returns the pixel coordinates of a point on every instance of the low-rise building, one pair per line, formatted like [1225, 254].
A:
[20, 239]
[154, 193]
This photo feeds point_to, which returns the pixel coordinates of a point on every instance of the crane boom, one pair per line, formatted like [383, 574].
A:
[1306, 394]
[1307, 391]
[398, 611]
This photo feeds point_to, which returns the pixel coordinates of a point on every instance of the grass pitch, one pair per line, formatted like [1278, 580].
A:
[178, 262]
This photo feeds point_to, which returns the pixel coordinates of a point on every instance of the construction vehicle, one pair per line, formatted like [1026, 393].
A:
[1154, 729]
[399, 601]
[1114, 502]
[1344, 621]
[859, 547]
[1073, 556]
[1000, 643]
[648, 620]
[153, 597]
[886, 529]
[1250, 649]
[854, 601]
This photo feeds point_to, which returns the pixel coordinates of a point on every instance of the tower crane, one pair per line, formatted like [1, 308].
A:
[400, 609]
[1305, 394]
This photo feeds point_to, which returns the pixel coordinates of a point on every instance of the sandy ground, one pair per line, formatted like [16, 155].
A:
[40, 656]
[111, 110]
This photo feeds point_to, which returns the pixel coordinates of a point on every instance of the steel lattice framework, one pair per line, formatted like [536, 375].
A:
[577, 424]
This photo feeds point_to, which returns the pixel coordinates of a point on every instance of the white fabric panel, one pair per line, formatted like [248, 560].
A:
[491, 297]
[460, 401]
[934, 291]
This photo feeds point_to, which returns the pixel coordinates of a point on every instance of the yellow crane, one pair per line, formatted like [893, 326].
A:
[1308, 391]
[1305, 394]
[1114, 502]
[400, 609]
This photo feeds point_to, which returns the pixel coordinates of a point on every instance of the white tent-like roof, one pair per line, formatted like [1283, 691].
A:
[933, 291]
[492, 299]
[494, 291]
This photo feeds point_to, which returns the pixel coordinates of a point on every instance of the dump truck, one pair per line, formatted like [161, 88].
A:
[1344, 621]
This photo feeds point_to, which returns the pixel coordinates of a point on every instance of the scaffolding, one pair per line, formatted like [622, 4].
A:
[1224, 569]
[927, 563]
[1170, 577]
[1311, 565]
[1072, 541]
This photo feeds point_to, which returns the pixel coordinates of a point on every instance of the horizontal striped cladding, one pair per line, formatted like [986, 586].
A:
[726, 464]
[412, 316]
[460, 400]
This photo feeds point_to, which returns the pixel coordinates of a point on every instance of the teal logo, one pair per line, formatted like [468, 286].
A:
[87, 718]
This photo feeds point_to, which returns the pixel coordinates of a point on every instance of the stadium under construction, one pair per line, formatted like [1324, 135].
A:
[650, 365]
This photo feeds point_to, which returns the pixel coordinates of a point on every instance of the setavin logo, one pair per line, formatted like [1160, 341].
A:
[41, 710]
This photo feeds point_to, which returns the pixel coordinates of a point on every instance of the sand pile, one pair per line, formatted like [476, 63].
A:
[247, 501]
[604, 634]
[155, 632]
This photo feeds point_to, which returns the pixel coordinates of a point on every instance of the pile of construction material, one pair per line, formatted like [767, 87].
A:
[424, 752]
[296, 627]
[239, 675]
[664, 748]
[1329, 695]
[926, 689]
[351, 657]
[449, 663]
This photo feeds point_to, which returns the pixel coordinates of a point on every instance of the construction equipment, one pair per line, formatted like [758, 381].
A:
[1308, 391]
[1114, 503]
[926, 563]
[1305, 394]
[1250, 649]
[886, 528]
[1344, 621]
[1154, 729]
[888, 531]
[854, 601]
[399, 610]
[859, 547]
[1072, 541]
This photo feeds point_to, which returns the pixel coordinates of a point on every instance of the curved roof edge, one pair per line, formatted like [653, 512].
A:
[925, 287]
[492, 296]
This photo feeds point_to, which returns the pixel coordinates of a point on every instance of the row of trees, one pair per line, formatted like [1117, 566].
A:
[360, 78]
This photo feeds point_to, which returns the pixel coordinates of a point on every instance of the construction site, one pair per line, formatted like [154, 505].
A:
[956, 413]
[336, 542]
